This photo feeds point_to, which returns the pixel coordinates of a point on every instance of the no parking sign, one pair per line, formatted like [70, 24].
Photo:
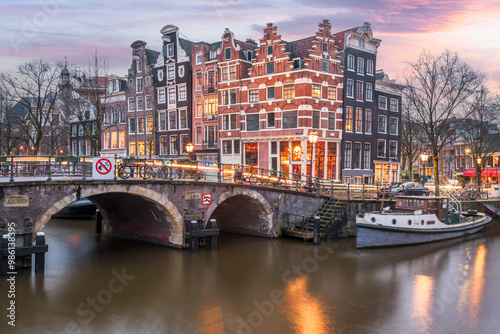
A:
[103, 169]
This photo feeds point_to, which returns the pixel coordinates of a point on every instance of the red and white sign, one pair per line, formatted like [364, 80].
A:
[206, 199]
[103, 169]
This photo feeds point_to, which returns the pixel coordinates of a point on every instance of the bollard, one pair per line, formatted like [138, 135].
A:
[317, 230]
[194, 240]
[40, 257]
[98, 221]
[213, 239]
[4, 259]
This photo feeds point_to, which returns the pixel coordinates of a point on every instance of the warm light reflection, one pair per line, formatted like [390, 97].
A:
[306, 313]
[74, 240]
[423, 288]
[211, 321]
[473, 288]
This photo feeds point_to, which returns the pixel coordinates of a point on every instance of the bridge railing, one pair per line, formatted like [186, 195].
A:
[59, 167]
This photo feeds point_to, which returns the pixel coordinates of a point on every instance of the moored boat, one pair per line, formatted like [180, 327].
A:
[495, 212]
[416, 219]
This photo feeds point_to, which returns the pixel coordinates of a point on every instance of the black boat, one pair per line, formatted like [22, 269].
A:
[495, 212]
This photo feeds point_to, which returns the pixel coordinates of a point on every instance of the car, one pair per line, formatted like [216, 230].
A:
[406, 188]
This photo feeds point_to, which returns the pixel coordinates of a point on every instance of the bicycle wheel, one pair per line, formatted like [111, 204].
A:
[124, 172]
[253, 179]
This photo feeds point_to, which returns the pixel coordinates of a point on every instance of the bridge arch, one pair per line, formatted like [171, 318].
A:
[110, 199]
[243, 210]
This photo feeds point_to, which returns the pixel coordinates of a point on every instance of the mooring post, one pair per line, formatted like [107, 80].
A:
[317, 232]
[4, 259]
[213, 239]
[98, 221]
[194, 240]
[40, 257]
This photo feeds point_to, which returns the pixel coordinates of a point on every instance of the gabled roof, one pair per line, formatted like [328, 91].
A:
[300, 48]
[151, 56]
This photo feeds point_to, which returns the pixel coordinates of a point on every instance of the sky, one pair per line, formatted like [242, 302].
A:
[55, 29]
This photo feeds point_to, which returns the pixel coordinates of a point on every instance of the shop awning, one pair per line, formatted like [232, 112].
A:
[492, 172]
[470, 172]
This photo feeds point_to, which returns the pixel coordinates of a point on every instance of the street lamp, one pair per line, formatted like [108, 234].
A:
[313, 138]
[424, 156]
[189, 148]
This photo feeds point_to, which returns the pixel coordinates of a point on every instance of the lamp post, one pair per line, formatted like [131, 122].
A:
[424, 156]
[189, 149]
[313, 138]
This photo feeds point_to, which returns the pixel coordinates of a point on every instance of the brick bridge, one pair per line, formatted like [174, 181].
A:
[156, 211]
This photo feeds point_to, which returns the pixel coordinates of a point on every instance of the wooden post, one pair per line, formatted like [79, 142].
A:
[212, 243]
[98, 221]
[40, 257]
[4, 259]
[194, 240]
[317, 230]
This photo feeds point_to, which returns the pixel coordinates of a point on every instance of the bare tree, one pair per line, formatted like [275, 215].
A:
[34, 86]
[412, 138]
[437, 85]
[479, 132]
[9, 140]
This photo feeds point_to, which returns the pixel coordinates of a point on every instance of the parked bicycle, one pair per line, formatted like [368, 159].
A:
[5, 169]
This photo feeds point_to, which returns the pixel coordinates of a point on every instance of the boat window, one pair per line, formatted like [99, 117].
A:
[445, 204]
[433, 204]
[422, 222]
[409, 222]
[373, 219]
[420, 203]
[394, 222]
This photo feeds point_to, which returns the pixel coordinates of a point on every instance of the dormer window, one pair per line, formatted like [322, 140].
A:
[213, 54]
[199, 58]
[362, 43]
[139, 66]
[228, 53]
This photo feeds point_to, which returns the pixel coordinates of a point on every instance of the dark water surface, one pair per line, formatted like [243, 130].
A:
[98, 284]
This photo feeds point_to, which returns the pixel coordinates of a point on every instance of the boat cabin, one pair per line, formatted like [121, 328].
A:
[429, 204]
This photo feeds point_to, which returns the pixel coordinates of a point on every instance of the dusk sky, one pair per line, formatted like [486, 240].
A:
[53, 29]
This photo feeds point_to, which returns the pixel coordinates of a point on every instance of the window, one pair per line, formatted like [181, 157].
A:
[213, 54]
[211, 81]
[74, 131]
[174, 145]
[140, 103]
[369, 67]
[183, 119]
[162, 121]
[393, 149]
[105, 143]
[163, 145]
[360, 66]
[132, 148]
[184, 142]
[141, 126]
[369, 92]
[225, 122]
[122, 139]
[114, 139]
[160, 75]
[325, 47]
[182, 93]
[289, 119]
[348, 119]
[210, 136]
[331, 121]
[171, 96]
[270, 120]
[270, 68]
[316, 91]
[288, 91]
[394, 105]
[315, 119]
[368, 121]
[382, 124]
[199, 136]
[253, 95]
[270, 93]
[225, 97]
[382, 102]
[361, 43]
[253, 122]
[332, 93]
[227, 147]
[228, 53]
[350, 62]
[161, 95]
[269, 50]
[114, 115]
[138, 87]
[149, 102]
[233, 122]
[170, 50]
[347, 155]
[172, 119]
[232, 96]
[106, 116]
[171, 72]
[131, 125]
[358, 126]
[236, 146]
[122, 114]
[232, 72]
[210, 106]
[225, 74]
[199, 57]
[324, 65]
[359, 90]
[139, 66]
[131, 104]
[393, 126]
[349, 88]
[199, 80]
[381, 148]
[366, 155]
[357, 156]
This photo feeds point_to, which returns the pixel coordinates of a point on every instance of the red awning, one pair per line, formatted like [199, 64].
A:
[492, 172]
[470, 172]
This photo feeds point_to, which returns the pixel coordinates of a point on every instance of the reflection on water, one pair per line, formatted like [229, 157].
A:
[445, 287]
[307, 313]
[422, 302]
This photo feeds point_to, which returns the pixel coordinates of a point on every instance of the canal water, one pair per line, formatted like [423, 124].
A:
[95, 284]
